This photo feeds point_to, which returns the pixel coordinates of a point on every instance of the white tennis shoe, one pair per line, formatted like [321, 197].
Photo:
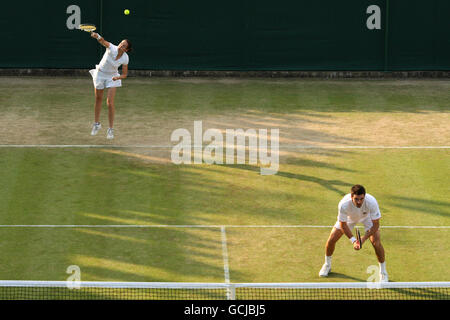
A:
[326, 268]
[110, 134]
[95, 128]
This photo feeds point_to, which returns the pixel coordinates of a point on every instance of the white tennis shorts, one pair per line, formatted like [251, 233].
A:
[103, 80]
[367, 223]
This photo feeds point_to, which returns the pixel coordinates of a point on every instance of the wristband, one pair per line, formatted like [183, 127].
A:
[352, 239]
[98, 36]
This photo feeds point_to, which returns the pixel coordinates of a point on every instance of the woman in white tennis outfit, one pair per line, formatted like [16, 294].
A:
[106, 75]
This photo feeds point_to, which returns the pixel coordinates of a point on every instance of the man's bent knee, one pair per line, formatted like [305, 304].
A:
[335, 235]
[376, 244]
[376, 239]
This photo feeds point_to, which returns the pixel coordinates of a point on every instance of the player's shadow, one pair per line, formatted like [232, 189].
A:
[331, 185]
[337, 275]
[325, 183]
[434, 207]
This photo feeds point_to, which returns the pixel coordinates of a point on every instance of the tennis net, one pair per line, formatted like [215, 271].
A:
[62, 290]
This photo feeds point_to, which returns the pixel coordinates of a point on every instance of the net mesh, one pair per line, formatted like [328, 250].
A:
[53, 290]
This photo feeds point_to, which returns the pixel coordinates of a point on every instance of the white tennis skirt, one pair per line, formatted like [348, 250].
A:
[104, 80]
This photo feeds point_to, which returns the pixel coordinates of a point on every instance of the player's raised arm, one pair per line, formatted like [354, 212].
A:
[100, 39]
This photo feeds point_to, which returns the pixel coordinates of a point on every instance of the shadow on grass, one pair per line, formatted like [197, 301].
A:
[440, 208]
[337, 275]
[327, 184]
[317, 164]
[72, 184]
[168, 254]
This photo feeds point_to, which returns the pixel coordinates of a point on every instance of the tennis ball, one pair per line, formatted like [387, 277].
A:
[126, 12]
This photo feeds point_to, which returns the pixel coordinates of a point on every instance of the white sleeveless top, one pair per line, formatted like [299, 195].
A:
[109, 64]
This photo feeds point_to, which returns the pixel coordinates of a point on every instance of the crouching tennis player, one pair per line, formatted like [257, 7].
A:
[106, 75]
[357, 207]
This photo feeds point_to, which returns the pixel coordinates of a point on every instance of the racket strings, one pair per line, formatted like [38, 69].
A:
[87, 27]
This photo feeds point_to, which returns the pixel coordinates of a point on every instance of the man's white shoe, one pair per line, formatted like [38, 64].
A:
[95, 128]
[110, 134]
[326, 268]
[384, 277]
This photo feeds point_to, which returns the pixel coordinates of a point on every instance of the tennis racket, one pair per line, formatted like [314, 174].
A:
[88, 27]
[358, 236]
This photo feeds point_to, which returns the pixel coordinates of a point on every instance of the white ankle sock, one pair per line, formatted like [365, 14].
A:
[328, 260]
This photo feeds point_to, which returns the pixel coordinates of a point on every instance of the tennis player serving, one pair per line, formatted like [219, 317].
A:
[357, 207]
[106, 75]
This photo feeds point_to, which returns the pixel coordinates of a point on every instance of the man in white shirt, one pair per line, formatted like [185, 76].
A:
[357, 207]
[106, 75]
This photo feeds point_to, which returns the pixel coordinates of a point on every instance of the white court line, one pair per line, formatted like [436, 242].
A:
[194, 226]
[365, 147]
[226, 268]
[68, 146]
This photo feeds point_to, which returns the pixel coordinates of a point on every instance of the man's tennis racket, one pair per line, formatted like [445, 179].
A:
[358, 236]
[88, 27]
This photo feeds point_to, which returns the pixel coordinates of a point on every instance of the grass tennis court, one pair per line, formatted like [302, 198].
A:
[119, 184]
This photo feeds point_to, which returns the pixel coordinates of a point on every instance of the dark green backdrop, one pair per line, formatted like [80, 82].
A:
[232, 34]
